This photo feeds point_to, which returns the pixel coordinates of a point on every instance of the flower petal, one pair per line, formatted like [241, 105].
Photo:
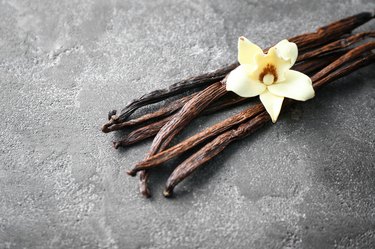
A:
[247, 51]
[272, 103]
[239, 82]
[287, 51]
[273, 61]
[296, 86]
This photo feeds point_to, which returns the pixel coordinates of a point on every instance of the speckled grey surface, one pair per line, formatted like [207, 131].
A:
[306, 182]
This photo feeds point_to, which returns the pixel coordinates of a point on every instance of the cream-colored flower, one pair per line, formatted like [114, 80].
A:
[269, 75]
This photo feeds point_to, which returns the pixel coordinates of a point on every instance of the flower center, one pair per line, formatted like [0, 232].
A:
[268, 79]
[268, 76]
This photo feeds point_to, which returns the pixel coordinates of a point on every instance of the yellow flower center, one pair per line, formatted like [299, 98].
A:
[268, 75]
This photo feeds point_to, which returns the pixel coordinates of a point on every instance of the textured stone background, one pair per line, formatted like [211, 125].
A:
[307, 182]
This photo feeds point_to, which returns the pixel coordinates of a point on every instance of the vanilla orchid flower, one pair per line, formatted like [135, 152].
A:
[269, 75]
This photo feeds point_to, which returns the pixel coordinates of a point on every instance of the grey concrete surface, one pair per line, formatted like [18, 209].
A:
[306, 182]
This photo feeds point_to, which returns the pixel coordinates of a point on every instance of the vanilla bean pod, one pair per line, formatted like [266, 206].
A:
[213, 148]
[174, 89]
[352, 54]
[188, 112]
[332, 31]
[358, 63]
[339, 44]
[313, 65]
[164, 111]
[230, 99]
[305, 41]
[143, 179]
[152, 129]
[142, 133]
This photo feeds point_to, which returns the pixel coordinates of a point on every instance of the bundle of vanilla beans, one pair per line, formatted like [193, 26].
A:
[325, 55]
